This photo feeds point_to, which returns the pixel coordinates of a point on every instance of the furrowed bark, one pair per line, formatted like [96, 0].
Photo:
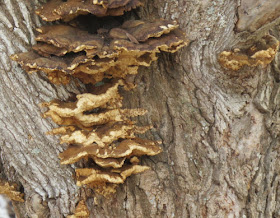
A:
[29, 156]
[220, 130]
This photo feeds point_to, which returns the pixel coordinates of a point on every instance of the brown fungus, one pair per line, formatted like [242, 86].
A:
[59, 9]
[109, 162]
[116, 176]
[96, 127]
[97, 119]
[80, 211]
[147, 30]
[64, 115]
[103, 136]
[262, 53]
[103, 3]
[33, 62]
[70, 39]
[127, 47]
[104, 182]
[10, 190]
[47, 50]
[126, 148]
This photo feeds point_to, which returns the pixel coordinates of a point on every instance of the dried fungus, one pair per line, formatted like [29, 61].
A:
[90, 110]
[97, 128]
[105, 181]
[262, 53]
[68, 10]
[68, 39]
[115, 176]
[66, 51]
[126, 148]
[10, 190]
[102, 136]
[80, 211]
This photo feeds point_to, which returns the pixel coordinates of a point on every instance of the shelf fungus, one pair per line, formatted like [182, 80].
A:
[123, 149]
[100, 131]
[10, 190]
[105, 181]
[91, 109]
[80, 211]
[68, 10]
[97, 128]
[65, 51]
[262, 53]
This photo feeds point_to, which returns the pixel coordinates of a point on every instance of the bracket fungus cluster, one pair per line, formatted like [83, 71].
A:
[65, 51]
[262, 53]
[98, 130]
[68, 10]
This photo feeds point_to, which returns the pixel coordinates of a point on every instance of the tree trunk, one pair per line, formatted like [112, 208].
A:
[220, 130]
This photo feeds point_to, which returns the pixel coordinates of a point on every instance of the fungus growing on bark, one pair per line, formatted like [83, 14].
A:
[95, 126]
[104, 182]
[68, 10]
[91, 109]
[125, 149]
[65, 51]
[80, 211]
[67, 39]
[10, 190]
[90, 176]
[100, 130]
[102, 136]
[262, 53]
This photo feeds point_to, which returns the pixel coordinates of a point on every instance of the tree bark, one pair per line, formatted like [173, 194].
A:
[220, 131]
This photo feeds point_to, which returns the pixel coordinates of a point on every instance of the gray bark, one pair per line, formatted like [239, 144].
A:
[220, 131]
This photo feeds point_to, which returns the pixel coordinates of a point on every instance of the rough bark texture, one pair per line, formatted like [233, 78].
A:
[220, 131]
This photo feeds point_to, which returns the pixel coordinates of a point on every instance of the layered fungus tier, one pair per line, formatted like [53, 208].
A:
[65, 51]
[102, 133]
[98, 41]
